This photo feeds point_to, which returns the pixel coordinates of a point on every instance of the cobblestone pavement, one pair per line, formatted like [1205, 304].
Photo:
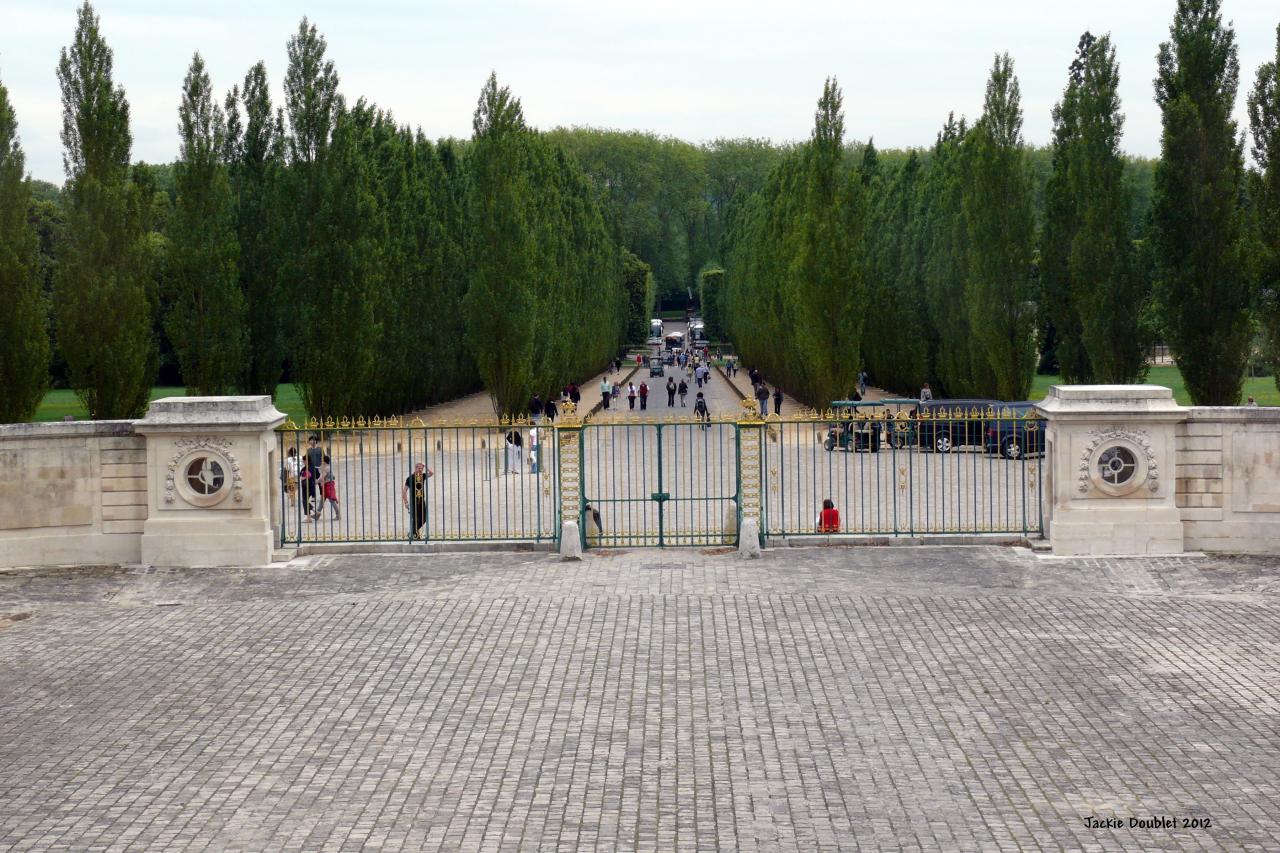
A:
[818, 699]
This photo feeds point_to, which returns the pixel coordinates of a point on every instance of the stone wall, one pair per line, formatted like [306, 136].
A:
[71, 493]
[1229, 479]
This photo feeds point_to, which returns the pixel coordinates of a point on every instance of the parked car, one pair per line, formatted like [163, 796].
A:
[851, 433]
[945, 425]
[656, 368]
[1013, 433]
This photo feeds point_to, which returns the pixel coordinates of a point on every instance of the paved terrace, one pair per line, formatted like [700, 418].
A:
[818, 699]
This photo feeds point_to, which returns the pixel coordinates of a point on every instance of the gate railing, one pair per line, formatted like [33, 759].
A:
[671, 481]
[949, 471]
[667, 482]
[483, 488]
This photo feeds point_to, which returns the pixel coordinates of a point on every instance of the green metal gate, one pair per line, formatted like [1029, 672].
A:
[664, 483]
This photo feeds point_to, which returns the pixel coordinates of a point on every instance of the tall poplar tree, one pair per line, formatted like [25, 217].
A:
[312, 104]
[206, 322]
[1091, 283]
[1203, 287]
[1264, 122]
[103, 304]
[998, 215]
[254, 158]
[24, 340]
[500, 301]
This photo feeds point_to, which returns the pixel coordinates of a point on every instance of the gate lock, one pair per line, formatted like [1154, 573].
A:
[660, 497]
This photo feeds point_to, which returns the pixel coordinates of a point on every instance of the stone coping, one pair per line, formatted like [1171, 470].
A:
[184, 413]
[65, 429]
[1092, 402]
[1260, 414]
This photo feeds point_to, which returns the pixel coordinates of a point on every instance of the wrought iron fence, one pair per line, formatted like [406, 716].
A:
[482, 481]
[933, 472]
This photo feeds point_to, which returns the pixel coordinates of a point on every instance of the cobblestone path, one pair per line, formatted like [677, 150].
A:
[818, 699]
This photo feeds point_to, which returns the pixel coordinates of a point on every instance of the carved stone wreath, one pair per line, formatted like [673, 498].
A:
[185, 447]
[1137, 440]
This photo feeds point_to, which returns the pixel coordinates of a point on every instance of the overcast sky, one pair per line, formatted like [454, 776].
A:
[695, 69]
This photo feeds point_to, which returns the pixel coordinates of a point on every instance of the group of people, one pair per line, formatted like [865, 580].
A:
[762, 393]
[312, 475]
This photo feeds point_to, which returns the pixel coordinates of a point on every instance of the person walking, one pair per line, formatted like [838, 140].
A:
[777, 400]
[315, 458]
[535, 408]
[671, 392]
[292, 468]
[415, 490]
[575, 396]
[328, 490]
[631, 394]
[605, 392]
[644, 396]
[701, 412]
[862, 383]
[925, 394]
[515, 452]
[762, 398]
[550, 410]
[683, 389]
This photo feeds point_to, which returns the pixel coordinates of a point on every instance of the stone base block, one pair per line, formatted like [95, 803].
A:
[1087, 533]
[59, 547]
[749, 539]
[570, 541]
[187, 545]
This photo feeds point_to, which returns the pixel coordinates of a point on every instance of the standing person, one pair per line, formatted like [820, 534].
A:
[551, 410]
[631, 394]
[671, 392]
[604, 392]
[535, 408]
[925, 394]
[762, 397]
[515, 451]
[777, 400]
[328, 490]
[701, 412]
[829, 518]
[292, 467]
[683, 389]
[575, 396]
[534, 436]
[417, 484]
[315, 458]
[644, 396]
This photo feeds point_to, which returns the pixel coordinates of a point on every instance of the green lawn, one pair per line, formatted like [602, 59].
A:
[1262, 389]
[61, 402]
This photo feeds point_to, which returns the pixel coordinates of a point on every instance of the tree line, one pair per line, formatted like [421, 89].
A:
[318, 241]
[326, 244]
[970, 264]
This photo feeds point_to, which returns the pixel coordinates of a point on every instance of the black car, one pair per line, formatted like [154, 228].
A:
[943, 425]
[1015, 431]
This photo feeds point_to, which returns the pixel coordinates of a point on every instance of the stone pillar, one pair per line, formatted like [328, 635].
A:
[750, 489]
[210, 464]
[1111, 459]
[568, 435]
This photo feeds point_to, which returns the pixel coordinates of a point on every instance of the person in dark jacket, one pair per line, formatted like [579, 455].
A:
[777, 400]
[762, 397]
[671, 392]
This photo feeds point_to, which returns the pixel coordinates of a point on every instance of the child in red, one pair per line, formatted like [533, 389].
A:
[829, 518]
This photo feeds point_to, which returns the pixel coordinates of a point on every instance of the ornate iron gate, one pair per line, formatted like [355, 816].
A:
[672, 482]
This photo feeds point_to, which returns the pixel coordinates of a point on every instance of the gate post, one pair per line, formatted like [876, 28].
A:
[750, 489]
[211, 471]
[1111, 459]
[569, 472]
